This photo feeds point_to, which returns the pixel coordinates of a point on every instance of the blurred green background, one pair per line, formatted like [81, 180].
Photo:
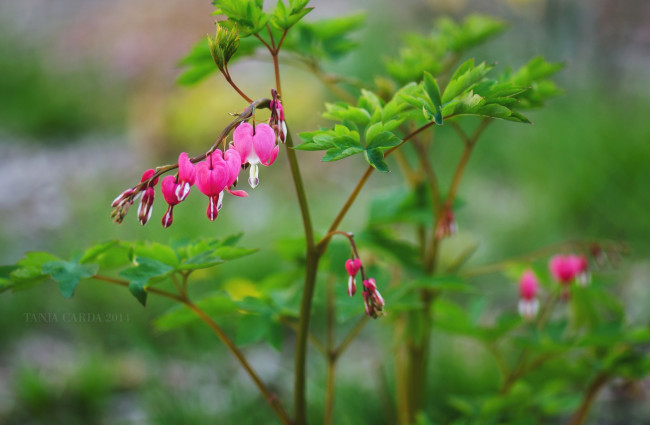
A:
[88, 100]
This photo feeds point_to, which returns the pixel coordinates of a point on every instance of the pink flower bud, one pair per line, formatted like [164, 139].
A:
[353, 266]
[122, 197]
[146, 204]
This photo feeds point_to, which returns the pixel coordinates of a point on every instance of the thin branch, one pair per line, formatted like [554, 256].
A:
[226, 75]
[581, 414]
[543, 252]
[312, 339]
[322, 245]
[351, 336]
[270, 397]
[125, 283]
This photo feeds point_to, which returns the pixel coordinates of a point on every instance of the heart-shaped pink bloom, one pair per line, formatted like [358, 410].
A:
[353, 266]
[255, 146]
[186, 176]
[566, 268]
[216, 174]
[528, 285]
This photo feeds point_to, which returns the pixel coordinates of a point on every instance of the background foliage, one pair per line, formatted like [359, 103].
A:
[65, 168]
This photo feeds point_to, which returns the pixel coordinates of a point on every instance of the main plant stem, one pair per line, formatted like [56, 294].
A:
[581, 414]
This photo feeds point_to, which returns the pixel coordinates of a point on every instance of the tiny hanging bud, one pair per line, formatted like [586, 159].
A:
[374, 302]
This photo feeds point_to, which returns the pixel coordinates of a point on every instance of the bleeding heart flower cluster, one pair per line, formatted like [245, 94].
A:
[374, 302]
[564, 269]
[213, 174]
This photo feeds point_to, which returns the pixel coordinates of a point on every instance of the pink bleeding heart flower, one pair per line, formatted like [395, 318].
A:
[146, 203]
[255, 146]
[374, 302]
[216, 174]
[169, 188]
[352, 266]
[186, 176]
[567, 268]
[528, 288]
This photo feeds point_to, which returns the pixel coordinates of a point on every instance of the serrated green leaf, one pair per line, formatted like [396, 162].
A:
[433, 92]
[465, 77]
[95, 251]
[232, 252]
[68, 274]
[139, 275]
[375, 157]
[384, 140]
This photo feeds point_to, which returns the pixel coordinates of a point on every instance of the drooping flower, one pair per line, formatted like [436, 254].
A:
[447, 225]
[276, 121]
[216, 174]
[528, 288]
[186, 176]
[255, 146]
[146, 203]
[374, 302]
[352, 267]
[567, 268]
[169, 188]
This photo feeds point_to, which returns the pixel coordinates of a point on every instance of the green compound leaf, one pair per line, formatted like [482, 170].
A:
[68, 274]
[139, 275]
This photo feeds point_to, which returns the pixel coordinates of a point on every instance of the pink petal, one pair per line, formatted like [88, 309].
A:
[274, 154]
[264, 142]
[243, 140]
[233, 159]
[240, 193]
[186, 170]
[168, 187]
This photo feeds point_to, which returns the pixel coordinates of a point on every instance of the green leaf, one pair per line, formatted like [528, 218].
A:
[214, 305]
[156, 251]
[139, 276]
[433, 92]
[384, 140]
[232, 252]
[375, 157]
[96, 251]
[29, 270]
[465, 77]
[68, 274]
